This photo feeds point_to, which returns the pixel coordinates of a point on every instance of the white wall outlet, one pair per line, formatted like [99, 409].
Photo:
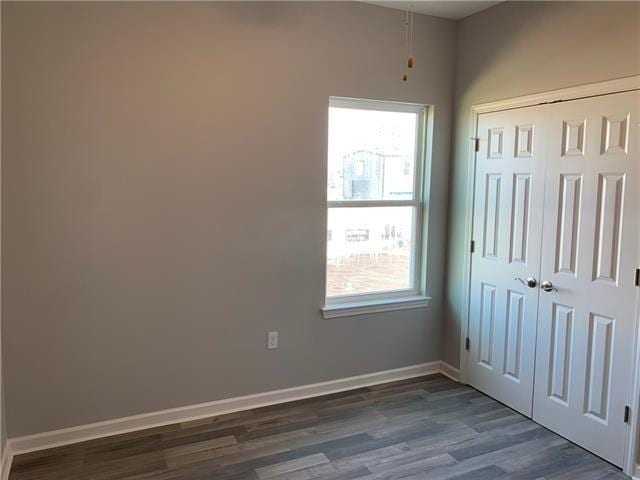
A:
[272, 340]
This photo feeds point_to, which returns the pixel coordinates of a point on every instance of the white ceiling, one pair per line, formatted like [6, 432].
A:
[452, 9]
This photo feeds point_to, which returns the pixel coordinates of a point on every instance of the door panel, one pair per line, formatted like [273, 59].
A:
[590, 245]
[560, 353]
[569, 200]
[508, 209]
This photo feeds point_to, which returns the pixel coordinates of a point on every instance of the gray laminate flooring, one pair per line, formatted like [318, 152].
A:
[425, 428]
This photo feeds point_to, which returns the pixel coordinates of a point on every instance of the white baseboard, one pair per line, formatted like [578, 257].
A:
[7, 459]
[56, 438]
[449, 371]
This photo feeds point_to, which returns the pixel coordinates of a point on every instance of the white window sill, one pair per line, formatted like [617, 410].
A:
[374, 306]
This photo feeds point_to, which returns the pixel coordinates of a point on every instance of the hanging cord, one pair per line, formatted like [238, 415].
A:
[406, 41]
[410, 58]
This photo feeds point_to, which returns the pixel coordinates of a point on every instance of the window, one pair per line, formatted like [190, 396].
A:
[375, 204]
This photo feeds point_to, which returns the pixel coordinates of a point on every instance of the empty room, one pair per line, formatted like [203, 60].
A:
[320, 240]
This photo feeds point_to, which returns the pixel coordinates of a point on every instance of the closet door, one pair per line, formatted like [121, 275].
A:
[508, 208]
[586, 324]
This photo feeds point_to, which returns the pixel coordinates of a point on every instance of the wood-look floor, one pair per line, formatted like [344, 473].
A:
[427, 428]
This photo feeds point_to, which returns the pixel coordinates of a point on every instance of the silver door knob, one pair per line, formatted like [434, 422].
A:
[547, 286]
[529, 282]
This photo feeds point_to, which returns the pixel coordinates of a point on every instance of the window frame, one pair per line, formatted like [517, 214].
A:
[412, 297]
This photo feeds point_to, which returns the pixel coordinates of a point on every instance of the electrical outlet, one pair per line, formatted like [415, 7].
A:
[272, 340]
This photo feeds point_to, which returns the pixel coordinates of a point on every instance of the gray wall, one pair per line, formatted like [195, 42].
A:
[163, 199]
[518, 48]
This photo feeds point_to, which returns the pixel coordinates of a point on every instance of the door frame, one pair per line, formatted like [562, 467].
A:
[632, 451]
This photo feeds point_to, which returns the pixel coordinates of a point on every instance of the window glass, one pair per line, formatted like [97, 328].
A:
[369, 249]
[371, 154]
[374, 202]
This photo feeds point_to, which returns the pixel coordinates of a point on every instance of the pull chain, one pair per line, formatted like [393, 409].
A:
[410, 58]
[408, 41]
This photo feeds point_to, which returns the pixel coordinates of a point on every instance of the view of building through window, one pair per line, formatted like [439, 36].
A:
[371, 188]
[369, 249]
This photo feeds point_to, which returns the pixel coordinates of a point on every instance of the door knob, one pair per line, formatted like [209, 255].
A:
[547, 286]
[529, 282]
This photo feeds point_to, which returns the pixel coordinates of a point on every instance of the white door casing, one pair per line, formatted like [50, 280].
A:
[509, 196]
[586, 328]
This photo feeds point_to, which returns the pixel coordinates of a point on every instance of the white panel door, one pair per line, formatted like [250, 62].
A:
[590, 247]
[508, 209]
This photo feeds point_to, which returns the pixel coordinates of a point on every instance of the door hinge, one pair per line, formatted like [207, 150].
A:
[477, 145]
[637, 277]
[627, 414]
[472, 248]
[467, 344]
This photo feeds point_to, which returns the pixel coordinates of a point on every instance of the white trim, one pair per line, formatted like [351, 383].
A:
[450, 371]
[335, 310]
[107, 428]
[565, 94]
[6, 461]
[377, 105]
[632, 452]
[468, 236]
[372, 298]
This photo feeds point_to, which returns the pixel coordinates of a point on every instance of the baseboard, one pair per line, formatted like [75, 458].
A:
[7, 459]
[56, 438]
[449, 371]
